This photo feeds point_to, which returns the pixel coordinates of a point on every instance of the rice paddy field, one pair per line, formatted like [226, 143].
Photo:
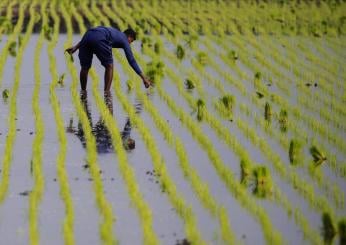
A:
[241, 139]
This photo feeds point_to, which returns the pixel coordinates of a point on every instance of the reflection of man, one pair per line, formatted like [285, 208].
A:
[99, 130]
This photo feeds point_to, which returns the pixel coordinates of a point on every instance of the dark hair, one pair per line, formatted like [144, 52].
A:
[130, 33]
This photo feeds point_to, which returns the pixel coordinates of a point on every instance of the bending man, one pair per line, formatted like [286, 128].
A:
[100, 41]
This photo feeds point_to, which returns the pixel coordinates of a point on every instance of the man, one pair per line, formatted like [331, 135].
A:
[100, 41]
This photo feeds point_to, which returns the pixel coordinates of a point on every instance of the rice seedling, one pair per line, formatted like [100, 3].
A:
[155, 71]
[13, 49]
[317, 155]
[5, 94]
[328, 228]
[267, 112]
[180, 52]
[263, 183]
[200, 109]
[233, 55]
[189, 84]
[130, 85]
[295, 151]
[283, 121]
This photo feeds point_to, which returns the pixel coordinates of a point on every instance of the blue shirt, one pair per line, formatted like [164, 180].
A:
[118, 39]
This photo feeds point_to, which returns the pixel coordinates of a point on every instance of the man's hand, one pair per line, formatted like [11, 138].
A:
[71, 50]
[147, 83]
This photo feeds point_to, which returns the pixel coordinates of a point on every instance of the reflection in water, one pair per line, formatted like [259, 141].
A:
[99, 130]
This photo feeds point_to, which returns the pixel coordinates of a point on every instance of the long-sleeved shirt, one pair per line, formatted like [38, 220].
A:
[118, 39]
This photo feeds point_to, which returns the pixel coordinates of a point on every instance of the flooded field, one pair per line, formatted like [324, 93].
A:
[240, 140]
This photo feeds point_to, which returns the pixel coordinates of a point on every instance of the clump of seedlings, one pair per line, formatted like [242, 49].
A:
[180, 52]
[158, 47]
[146, 43]
[259, 95]
[202, 58]
[189, 84]
[200, 109]
[263, 182]
[257, 79]
[317, 155]
[155, 71]
[228, 102]
[283, 120]
[328, 228]
[12, 49]
[294, 151]
[267, 112]
[61, 79]
[342, 231]
[69, 56]
[233, 55]
[5, 94]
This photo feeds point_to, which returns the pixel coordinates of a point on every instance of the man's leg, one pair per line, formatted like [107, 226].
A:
[108, 77]
[83, 76]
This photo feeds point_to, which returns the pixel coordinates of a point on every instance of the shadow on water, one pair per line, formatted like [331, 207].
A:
[99, 130]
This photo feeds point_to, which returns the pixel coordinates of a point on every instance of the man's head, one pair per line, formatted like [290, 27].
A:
[131, 34]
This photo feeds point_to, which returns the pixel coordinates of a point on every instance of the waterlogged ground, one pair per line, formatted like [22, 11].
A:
[167, 224]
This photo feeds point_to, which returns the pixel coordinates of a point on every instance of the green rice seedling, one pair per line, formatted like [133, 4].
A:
[257, 80]
[12, 49]
[267, 112]
[202, 58]
[69, 56]
[158, 47]
[146, 44]
[342, 231]
[263, 182]
[233, 55]
[245, 171]
[192, 40]
[61, 79]
[283, 120]
[317, 155]
[155, 71]
[48, 31]
[189, 84]
[294, 151]
[180, 52]
[5, 94]
[328, 228]
[259, 95]
[228, 102]
[200, 109]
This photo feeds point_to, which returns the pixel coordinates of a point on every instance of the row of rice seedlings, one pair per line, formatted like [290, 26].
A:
[105, 208]
[11, 42]
[62, 176]
[36, 158]
[126, 170]
[200, 187]
[11, 135]
[5, 21]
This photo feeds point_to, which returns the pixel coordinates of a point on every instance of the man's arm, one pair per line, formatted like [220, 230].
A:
[73, 49]
[132, 61]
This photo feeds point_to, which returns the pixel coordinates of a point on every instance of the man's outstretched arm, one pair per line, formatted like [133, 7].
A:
[73, 48]
[131, 59]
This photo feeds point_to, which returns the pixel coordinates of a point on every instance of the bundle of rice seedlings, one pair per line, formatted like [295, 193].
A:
[294, 151]
[200, 109]
[342, 231]
[189, 84]
[158, 47]
[283, 120]
[328, 229]
[267, 112]
[180, 52]
[155, 70]
[5, 94]
[233, 55]
[202, 58]
[258, 75]
[227, 101]
[317, 155]
[48, 31]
